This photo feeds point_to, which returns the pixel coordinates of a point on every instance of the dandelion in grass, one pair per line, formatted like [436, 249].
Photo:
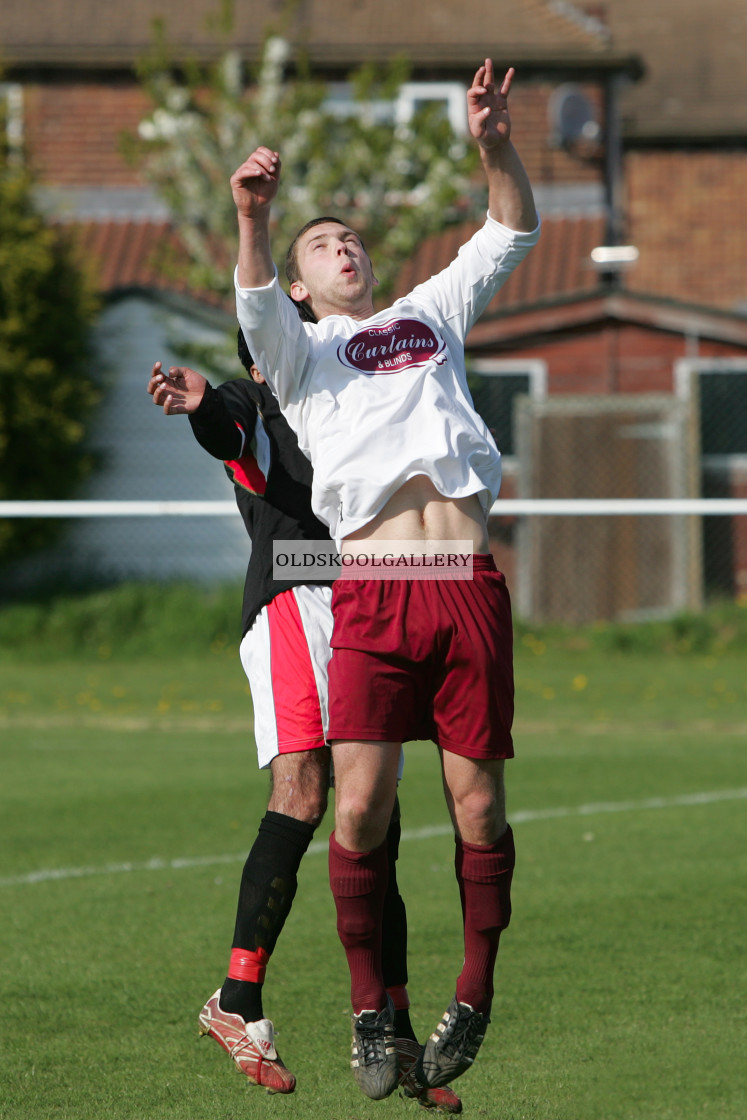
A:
[536, 645]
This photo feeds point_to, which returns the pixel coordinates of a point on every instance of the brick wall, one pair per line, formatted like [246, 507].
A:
[687, 214]
[615, 358]
[73, 129]
[545, 162]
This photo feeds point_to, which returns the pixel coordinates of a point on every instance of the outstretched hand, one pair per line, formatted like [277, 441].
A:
[255, 184]
[487, 107]
[178, 392]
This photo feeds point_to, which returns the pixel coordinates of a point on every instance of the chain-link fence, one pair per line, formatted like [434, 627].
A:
[691, 444]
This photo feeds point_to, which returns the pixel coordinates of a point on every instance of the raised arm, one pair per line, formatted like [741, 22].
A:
[510, 199]
[254, 186]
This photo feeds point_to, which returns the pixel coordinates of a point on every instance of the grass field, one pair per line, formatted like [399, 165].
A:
[130, 795]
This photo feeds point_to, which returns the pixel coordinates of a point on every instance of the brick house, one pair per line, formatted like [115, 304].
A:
[631, 134]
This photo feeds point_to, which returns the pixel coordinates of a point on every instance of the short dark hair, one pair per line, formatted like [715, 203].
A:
[245, 357]
[291, 259]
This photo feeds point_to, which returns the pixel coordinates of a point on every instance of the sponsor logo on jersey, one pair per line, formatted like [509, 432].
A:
[391, 347]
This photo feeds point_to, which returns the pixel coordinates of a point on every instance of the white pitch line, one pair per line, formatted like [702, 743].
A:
[522, 816]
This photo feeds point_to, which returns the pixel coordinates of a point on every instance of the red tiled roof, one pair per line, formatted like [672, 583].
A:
[695, 80]
[558, 268]
[121, 256]
[145, 255]
[86, 31]
[554, 288]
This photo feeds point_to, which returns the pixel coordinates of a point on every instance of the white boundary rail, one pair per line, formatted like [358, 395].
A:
[559, 507]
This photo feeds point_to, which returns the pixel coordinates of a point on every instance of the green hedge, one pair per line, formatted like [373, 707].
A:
[47, 386]
[130, 620]
[138, 619]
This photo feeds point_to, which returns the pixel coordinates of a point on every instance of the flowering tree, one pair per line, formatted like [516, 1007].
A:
[394, 182]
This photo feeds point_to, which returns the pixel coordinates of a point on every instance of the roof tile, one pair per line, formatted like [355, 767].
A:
[560, 265]
[142, 255]
[85, 30]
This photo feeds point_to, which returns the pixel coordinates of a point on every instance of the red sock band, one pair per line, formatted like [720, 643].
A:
[248, 964]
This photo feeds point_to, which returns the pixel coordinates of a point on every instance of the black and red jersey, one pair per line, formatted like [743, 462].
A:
[240, 422]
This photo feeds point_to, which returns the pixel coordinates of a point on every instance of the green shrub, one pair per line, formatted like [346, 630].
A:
[142, 619]
[723, 626]
[130, 620]
[47, 389]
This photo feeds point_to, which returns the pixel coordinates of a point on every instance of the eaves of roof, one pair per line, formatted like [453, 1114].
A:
[529, 61]
[586, 311]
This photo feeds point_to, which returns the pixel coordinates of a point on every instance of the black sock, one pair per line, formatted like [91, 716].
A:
[394, 930]
[403, 1026]
[268, 887]
[394, 923]
[242, 997]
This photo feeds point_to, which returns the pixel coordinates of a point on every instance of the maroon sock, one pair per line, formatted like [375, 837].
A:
[358, 881]
[484, 875]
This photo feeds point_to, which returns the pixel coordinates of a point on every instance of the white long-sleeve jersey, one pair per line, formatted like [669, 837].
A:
[378, 401]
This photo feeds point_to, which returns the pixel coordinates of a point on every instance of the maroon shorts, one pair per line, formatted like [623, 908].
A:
[424, 659]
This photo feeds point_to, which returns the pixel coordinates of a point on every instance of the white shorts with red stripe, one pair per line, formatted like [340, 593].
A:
[285, 657]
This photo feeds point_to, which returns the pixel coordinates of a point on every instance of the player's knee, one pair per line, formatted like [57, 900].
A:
[309, 809]
[307, 805]
[361, 823]
[481, 816]
[300, 785]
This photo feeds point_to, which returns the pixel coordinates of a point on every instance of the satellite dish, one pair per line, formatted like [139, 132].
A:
[572, 117]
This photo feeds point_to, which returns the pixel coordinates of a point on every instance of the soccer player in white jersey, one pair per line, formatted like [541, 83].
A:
[380, 404]
[286, 626]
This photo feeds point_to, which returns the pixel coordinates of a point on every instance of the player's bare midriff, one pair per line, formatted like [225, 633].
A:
[417, 512]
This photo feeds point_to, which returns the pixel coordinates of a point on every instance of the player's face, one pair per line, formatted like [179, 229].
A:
[335, 269]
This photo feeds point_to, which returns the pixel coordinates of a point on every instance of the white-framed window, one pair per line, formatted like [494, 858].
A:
[411, 97]
[452, 95]
[494, 383]
[721, 384]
